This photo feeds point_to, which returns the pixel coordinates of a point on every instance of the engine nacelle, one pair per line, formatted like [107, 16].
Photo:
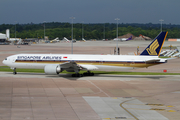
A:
[52, 69]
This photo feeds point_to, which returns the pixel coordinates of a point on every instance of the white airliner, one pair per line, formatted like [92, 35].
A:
[56, 63]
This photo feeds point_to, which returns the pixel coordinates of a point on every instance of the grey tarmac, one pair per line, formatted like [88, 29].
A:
[37, 96]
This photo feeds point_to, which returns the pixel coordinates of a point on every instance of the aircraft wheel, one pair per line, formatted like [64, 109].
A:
[85, 74]
[88, 74]
[81, 75]
[91, 74]
[14, 69]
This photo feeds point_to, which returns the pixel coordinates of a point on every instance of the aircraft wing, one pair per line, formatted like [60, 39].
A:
[69, 65]
[74, 66]
[89, 67]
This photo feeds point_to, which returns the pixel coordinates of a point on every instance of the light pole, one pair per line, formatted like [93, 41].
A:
[72, 35]
[82, 31]
[161, 20]
[44, 29]
[117, 36]
[104, 31]
[15, 30]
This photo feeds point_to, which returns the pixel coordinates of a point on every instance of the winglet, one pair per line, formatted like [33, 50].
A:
[155, 47]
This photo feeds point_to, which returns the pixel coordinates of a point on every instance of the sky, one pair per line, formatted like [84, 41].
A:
[89, 11]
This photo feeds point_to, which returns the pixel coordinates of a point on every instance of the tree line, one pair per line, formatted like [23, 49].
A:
[87, 31]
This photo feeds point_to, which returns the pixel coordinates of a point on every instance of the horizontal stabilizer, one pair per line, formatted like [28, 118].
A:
[152, 60]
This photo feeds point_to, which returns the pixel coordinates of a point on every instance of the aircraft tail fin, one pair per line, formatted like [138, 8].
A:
[130, 38]
[155, 47]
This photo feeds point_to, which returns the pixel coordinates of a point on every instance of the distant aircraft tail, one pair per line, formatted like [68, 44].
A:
[130, 38]
[65, 39]
[155, 47]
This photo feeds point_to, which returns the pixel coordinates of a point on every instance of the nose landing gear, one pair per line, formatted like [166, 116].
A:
[14, 69]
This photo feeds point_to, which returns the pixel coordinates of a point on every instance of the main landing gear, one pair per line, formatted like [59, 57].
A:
[77, 75]
[88, 73]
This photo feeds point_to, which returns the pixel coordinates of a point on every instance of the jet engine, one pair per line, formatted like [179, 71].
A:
[52, 69]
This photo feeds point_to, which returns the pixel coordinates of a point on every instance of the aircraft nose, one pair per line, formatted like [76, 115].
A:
[4, 62]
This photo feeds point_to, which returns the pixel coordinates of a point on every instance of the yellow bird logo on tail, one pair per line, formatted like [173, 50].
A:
[152, 49]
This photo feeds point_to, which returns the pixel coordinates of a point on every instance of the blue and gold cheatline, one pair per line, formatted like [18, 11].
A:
[155, 47]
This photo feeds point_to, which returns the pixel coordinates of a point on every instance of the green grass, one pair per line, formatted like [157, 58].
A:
[163, 57]
[7, 69]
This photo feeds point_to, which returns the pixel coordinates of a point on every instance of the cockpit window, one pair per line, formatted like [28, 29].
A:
[5, 58]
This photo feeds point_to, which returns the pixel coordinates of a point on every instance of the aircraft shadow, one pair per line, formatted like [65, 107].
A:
[69, 76]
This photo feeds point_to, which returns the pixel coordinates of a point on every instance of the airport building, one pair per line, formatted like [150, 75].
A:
[4, 38]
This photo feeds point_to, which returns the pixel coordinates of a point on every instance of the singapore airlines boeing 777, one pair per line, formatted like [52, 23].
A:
[56, 63]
